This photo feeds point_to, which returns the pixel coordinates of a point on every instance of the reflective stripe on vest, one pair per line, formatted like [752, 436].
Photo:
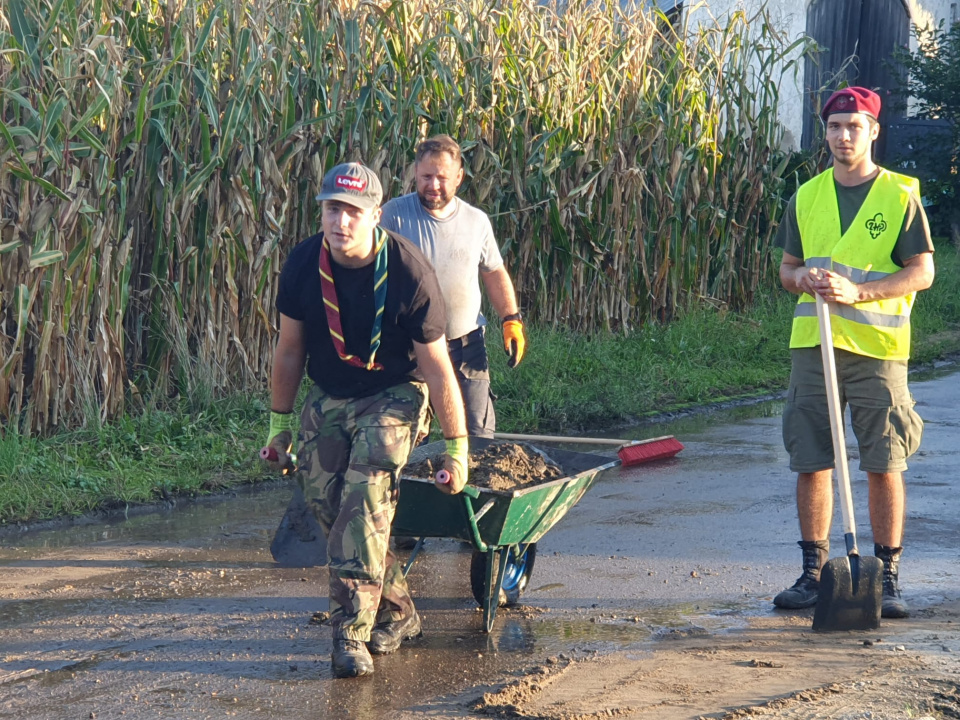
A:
[878, 328]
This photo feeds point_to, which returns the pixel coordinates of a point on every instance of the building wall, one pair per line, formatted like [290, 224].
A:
[790, 17]
[925, 12]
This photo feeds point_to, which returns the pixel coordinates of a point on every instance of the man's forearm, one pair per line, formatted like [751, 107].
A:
[447, 404]
[285, 380]
[913, 278]
[500, 291]
[434, 362]
[789, 279]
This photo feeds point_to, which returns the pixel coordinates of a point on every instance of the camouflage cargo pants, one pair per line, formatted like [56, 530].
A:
[351, 453]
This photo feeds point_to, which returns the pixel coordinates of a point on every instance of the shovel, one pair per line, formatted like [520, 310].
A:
[850, 587]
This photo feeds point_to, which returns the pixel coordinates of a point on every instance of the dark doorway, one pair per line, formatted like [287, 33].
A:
[859, 38]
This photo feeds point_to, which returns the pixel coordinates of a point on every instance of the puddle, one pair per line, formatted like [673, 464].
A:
[938, 369]
[245, 519]
[697, 420]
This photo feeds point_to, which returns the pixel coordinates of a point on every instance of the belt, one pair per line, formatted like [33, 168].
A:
[471, 338]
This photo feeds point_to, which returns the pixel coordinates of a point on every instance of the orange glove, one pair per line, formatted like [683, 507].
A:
[513, 341]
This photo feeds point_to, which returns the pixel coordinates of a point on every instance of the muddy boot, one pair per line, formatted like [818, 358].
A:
[893, 606]
[805, 590]
[388, 636]
[350, 658]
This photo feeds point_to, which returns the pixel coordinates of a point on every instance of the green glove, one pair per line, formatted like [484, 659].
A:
[280, 441]
[455, 465]
[280, 422]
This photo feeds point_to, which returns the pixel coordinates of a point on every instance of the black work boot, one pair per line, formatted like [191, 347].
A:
[806, 589]
[893, 606]
[388, 636]
[350, 658]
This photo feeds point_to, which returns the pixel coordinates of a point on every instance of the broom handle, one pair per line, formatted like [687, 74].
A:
[587, 440]
[836, 426]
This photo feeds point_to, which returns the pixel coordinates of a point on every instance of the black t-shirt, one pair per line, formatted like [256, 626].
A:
[414, 312]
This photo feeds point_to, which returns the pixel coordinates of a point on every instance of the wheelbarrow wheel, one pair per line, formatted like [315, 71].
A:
[515, 577]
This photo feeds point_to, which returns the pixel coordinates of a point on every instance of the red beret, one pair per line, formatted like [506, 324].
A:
[852, 100]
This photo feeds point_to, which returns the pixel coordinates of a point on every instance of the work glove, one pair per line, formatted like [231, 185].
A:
[513, 341]
[454, 474]
[276, 453]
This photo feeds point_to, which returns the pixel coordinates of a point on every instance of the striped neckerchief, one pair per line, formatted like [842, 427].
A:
[379, 298]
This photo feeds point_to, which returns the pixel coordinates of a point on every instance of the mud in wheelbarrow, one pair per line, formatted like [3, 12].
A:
[503, 527]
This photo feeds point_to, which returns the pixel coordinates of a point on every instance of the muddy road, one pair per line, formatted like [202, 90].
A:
[650, 599]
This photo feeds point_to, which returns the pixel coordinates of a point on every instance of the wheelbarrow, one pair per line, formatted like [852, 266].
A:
[502, 526]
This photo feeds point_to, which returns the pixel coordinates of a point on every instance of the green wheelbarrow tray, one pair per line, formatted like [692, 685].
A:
[502, 526]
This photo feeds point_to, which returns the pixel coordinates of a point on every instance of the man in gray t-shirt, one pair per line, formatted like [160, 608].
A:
[457, 239]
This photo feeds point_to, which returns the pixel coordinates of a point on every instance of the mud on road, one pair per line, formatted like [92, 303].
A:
[773, 669]
[650, 599]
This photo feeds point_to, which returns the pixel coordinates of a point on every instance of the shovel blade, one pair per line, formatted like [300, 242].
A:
[299, 540]
[850, 594]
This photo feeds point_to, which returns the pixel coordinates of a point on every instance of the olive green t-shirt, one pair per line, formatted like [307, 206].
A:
[914, 236]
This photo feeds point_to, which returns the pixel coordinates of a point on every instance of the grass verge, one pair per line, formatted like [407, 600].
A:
[567, 383]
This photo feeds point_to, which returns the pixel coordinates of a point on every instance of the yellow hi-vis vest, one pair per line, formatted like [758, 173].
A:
[879, 328]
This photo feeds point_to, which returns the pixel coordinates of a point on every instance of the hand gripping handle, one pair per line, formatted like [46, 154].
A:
[269, 454]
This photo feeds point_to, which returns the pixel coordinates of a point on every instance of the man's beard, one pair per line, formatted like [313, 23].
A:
[438, 204]
[850, 160]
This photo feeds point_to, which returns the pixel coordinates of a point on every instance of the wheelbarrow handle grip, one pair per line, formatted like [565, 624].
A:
[269, 454]
[443, 477]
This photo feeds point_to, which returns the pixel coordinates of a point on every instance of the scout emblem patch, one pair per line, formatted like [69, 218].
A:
[876, 225]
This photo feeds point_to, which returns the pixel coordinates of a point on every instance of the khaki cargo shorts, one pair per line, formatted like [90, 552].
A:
[887, 428]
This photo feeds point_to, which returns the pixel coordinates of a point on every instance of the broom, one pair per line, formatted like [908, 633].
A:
[631, 452]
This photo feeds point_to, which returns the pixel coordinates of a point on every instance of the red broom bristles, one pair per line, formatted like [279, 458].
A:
[646, 450]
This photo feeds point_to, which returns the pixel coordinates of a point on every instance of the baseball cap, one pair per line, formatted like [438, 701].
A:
[852, 100]
[352, 183]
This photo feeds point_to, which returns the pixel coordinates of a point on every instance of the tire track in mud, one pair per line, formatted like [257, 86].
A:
[937, 698]
[788, 674]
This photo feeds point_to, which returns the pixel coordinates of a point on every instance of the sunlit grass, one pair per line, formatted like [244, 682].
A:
[568, 382]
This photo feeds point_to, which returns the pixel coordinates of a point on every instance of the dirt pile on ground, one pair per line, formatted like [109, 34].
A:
[499, 466]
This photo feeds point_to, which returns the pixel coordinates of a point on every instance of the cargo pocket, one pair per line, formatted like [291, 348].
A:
[905, 429]
[806, 429]
[887, 428]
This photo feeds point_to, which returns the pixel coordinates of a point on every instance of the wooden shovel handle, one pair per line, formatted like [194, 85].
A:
[836, 424]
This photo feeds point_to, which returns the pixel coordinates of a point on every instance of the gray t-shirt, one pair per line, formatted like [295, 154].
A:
[458, 247]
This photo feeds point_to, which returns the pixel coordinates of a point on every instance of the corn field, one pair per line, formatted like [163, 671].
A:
[158, 160]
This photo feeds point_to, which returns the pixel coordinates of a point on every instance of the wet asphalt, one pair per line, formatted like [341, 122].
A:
[183, 613]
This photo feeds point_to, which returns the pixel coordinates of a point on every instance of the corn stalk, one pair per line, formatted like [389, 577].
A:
[157, 162]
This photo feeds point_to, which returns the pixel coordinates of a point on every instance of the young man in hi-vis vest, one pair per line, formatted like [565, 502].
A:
[857, 235]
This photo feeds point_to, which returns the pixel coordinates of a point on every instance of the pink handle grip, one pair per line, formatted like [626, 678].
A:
[269, 454]
[443, 477]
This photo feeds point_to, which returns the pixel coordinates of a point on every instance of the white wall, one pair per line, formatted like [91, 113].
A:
[925, 12]
[790, 17]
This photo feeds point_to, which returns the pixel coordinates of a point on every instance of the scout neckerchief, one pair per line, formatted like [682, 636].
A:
[379, 300]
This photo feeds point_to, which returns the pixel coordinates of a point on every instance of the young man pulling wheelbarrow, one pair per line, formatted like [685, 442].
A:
[361, 308]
